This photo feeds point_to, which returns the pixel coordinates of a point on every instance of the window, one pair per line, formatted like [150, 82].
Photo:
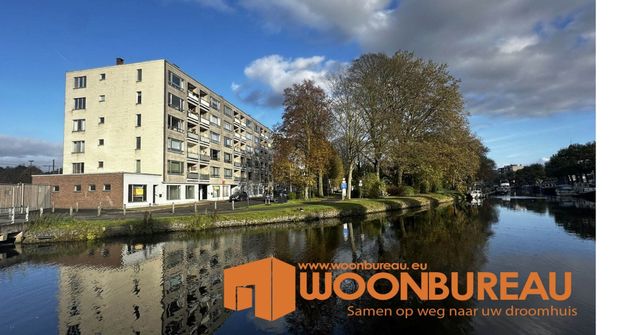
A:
[228, 111]
[55, 188]
[136, 193]
[248, 123]
[78, 167]
[138, 97]
[138, 143]
[79, 103]
[189, 192]
[107, 187]
[175, 124]
[215, 172]
[100, 164]
[102, 98]
[215, 154]
[175, 145]
[102, 120]
[214, 120]
[175, 80]
[215, 104]
[78, 146]
[227, 157]
[139, 75]
[175, 167]
[175, 102]
[228, 173]
[138, 120]
[102, 76]
[173, 192]
[137, 165]
[249, 136]
[228, 126]
[215, 137]
[92, 188]
[228, 142]
[79, 82]
[77, 188]
[101, 141]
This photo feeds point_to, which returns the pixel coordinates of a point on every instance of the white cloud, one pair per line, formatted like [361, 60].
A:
[517, 44]
[20, 150]
[270, 75]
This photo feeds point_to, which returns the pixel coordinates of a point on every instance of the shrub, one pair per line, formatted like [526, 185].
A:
[292, 195]
[404, 190]
[424, 186]
[372, 186]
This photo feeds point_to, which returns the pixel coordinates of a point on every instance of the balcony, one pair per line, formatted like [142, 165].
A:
[236, 120]
[236, 164]
[192, 175]
[192, 96]
[205, 121]
[204, 158]
[193, 136]
[204, 102]
[204, 176]
[192, 155]
[204, 139]
[237, 179]
[193, 116]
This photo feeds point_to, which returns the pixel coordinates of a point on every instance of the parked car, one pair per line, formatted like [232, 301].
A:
[239, 196]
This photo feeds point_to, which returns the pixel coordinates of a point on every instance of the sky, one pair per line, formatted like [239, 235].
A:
[527, 67]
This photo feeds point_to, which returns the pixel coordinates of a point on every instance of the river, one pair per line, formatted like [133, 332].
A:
[173, 284]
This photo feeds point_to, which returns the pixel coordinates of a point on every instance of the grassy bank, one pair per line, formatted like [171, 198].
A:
[63, 228]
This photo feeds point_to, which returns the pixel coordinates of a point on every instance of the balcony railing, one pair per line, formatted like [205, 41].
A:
[193, 116]
[192, 175]
[192, 155]
[193, 136]
[236, 164]
[204, 139]
[204, 102]
[204, 176]
[192, 96]
[204, 121]
[204, 157]
[237, 179]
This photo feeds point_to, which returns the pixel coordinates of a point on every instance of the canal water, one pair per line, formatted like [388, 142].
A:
[173, 284]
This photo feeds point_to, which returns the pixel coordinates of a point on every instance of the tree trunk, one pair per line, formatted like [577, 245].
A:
[305, 192]
[377, 168]
[349, 176]
[399, 176]
[320, 184]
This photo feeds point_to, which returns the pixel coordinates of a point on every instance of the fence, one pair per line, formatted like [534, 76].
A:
[22, 196]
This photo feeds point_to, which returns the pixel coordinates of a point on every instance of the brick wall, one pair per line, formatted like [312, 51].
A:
[66, 197]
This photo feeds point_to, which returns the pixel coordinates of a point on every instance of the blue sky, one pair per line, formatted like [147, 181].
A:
[527, 67]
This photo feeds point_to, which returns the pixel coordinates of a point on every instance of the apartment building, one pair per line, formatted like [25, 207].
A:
[148, 133]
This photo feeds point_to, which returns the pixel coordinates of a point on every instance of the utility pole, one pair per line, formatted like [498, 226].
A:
[30, 170]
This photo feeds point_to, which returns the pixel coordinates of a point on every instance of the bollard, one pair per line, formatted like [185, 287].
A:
[99, 210]
[195, 208]
[53, 207]
[215, 205]
[124, 209]
[233, 204]
[173, 208]
[70, 211]
[77, 207]
[40, 211]
[27, 211]
[12, 215]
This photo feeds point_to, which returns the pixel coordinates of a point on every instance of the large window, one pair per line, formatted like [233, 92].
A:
[215, 154]
[228, 173]
[175, 102]
[79, 125]
[137, 193]
[79, 103]
[189, 191]
[78, 146]
[214, 120]
[228, 142]
[228, 111]
[228, 126]
[79, 82]
[215, 104]
[175, 167]
[78, 167]
[227, 157]
[175, 145]
[173, 192]
[175, 80]
[175, 124]
[215, 137]
[215, 172]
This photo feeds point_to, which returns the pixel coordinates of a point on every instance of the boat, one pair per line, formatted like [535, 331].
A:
[504, 188]
[566, 190]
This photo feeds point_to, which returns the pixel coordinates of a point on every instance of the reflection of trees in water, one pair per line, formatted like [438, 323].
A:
[448, 239]
[576, 216]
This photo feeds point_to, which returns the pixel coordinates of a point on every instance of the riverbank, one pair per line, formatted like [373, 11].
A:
[50, 228]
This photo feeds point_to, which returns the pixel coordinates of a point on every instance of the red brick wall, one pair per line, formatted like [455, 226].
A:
[66, 197]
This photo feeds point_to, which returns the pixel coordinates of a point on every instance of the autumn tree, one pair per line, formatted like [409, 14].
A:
[305, 129]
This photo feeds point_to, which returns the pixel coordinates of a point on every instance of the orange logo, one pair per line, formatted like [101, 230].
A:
[273, 283]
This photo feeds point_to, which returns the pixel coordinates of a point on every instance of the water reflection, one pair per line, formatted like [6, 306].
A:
[173, 284]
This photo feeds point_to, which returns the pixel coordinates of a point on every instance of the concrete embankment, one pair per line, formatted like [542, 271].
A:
[60, 229]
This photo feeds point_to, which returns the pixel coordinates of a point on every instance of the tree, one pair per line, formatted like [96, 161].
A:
[305, 129]
[575, 160]
[530, 174]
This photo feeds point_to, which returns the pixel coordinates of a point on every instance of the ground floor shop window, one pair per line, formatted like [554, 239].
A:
[173, 192]
[216, 191]
[189, 192]
[137, 193]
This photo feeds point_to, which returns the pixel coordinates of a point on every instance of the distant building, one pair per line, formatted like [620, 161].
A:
[147, 134]
[510, 168]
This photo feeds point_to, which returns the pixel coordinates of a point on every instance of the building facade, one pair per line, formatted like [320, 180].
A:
[151, 118]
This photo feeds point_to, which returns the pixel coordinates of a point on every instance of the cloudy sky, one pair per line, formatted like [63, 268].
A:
[527, 67]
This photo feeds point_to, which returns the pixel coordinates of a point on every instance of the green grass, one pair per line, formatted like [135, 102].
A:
[70, 228]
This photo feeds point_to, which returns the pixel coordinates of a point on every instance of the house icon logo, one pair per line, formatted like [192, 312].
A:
[272, 282]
